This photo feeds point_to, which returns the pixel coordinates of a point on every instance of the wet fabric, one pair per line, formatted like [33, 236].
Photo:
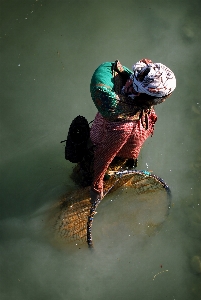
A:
[123, 139]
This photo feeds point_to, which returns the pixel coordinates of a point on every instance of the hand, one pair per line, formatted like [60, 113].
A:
[118, 66]
[146, 61]
[95, 196]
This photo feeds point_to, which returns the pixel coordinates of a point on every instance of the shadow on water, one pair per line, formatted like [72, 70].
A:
[49, 50]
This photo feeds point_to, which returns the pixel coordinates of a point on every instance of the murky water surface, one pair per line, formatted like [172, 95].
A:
[49, 50]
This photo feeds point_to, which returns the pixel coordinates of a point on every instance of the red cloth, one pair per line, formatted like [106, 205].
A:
[123, 139]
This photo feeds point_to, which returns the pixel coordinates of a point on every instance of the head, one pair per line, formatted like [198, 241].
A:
[152, 82]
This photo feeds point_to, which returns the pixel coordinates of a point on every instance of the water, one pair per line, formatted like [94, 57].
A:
[49, 50]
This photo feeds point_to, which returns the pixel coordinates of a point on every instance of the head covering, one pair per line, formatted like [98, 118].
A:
[153, 79]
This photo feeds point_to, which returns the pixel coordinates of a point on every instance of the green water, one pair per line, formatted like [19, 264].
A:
[49, 50]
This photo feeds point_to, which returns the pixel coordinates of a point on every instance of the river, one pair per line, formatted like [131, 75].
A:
[49, 51]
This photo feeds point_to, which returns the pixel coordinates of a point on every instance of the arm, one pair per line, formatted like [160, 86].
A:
[106, 84]
[113, 106]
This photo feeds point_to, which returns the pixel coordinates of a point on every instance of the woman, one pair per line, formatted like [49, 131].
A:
[126, 116]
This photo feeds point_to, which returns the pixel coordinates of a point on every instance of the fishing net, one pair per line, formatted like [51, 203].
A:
[76, 213]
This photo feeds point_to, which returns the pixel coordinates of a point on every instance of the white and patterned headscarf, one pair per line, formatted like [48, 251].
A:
[154, 79]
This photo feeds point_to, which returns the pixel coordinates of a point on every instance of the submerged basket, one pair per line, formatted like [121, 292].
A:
[76, 213]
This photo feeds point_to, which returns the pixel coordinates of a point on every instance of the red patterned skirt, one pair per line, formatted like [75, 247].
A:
[122, 138]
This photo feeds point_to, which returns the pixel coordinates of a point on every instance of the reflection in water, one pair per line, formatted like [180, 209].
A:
[49, 50]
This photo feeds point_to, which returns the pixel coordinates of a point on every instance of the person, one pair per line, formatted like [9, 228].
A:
[125, 102]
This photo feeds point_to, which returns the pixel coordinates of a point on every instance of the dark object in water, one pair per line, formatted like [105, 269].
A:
[77, 139]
